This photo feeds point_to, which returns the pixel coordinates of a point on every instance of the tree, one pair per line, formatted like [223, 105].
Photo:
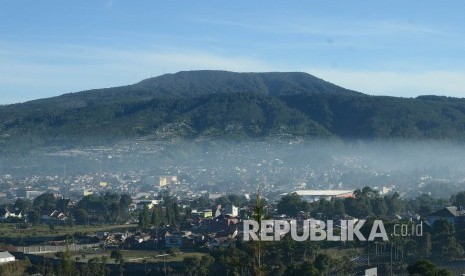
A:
[62, 205]
[443, 228]
[34, 217]
[81, 216]
[201, 203]
[191, 265]
[394, 204]
[198, 266]
[426, 268]
[144, 218]
[424, 210]
[104, 268]
[306, 268]
[448, 249]
[223, 201]
[117, 255]
[124, 202]
[67, 265]
[157, 217]
[121, 267]
[206, 263]
[323, 263]
[424, 244]
[291, 205]
[23, 205]
[17, 268]
[95, 267]
[45, 202]
[459, 199]
[174, 251]
[379, 206]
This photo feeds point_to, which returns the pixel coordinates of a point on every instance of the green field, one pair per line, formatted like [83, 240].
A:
[132, 256]
[9, 230]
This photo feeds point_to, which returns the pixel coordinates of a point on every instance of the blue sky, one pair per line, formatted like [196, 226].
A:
[400, 48]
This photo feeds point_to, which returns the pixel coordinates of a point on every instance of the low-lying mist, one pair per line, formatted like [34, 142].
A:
[434, 167]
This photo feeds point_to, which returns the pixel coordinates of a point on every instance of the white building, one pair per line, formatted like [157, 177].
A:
[231, 210]
[6, 257]
[149, 203]
[168, 180]
[315, 195]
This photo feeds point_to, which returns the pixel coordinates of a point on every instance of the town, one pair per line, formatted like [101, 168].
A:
[191, 218]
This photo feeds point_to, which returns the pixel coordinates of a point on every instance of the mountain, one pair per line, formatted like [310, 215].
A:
[189, 84]
[219, 104]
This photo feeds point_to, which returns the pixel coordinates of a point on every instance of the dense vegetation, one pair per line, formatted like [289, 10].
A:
[228, 105]
[441, 244]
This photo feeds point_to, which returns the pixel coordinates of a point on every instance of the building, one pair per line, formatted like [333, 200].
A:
[33, 194]
[149, 203]
[6, 214]
[315, 195]
[6, 257]
[207, 213]
[454, 215]
[231, 210]
[179, 239]
[168, 180]
[371, 271]
[217, 243]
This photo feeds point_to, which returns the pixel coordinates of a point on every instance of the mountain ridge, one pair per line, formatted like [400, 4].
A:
[202, 82]
[221, 104]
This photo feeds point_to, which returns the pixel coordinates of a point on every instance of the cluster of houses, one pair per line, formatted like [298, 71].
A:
[6, 214]
[209, 228]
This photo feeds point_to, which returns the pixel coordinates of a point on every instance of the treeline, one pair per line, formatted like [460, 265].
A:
[166, 213]
[442, 241]
[95, 208]
[366, 203]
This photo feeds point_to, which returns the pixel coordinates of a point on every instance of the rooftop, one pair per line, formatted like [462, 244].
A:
[321, 192]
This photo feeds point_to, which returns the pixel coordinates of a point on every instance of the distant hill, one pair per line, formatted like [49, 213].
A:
[189, 84]
[227, 105]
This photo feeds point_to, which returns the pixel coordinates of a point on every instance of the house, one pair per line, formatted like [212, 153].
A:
[6, 257]
[337, 220]
[58, 216]
[216, 211]
[179, 239]
[454, 215]
[173, 240]
[410, 216]
[55, 216]
[230, 233]
[5, 214]
[217, 243]
[146, 203]
[218, 224]
[231, 210]
[117, 238]
[207, 213]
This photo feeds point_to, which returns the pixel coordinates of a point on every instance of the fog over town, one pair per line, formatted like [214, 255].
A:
[221, 167]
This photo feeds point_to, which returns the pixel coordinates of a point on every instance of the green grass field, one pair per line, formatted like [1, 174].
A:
[9, 230]
[131, 256]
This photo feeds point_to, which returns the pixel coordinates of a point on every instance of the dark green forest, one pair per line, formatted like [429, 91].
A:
[218, 104]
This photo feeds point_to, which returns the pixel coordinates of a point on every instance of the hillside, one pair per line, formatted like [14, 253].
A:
[218, 104]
